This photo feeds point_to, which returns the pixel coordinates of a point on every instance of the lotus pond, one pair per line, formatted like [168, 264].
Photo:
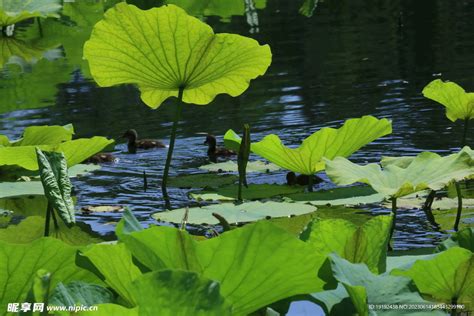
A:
[343, 159]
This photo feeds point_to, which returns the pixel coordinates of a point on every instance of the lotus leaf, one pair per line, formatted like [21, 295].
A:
[446, 218]
[231, 166]
[19, 263]
[163, 50]
[325, 143]
[427, 170]
[56, 184]
[365, 288]
[202, 180]
[463, 238]
[11, 48]
[241, 213]
[252, 192]
[358, 244]
[78, 292]
[458, 103]
[448, 277]
[237, 260]
[14, 11]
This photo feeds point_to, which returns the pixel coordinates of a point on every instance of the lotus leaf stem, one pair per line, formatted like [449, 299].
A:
[458, 214]
[179, 108]
[310, 183]
[464, 135]
[49, 211]
[392, 229]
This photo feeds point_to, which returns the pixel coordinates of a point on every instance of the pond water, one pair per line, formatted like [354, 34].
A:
[351, 58]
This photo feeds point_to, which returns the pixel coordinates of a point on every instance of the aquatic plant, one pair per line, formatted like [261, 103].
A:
[14, 11]
[326, 143]
[425, 171]
[243, 159]
[459, 104]
[170, 54]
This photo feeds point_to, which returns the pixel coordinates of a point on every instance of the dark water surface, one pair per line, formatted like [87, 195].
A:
[351, 58]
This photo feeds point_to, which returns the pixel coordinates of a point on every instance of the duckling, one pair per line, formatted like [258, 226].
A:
[302, 179]
[100, 158]
[213, 150]
[134, 142]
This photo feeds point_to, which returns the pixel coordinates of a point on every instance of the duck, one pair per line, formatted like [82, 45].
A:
[213, 150]
[302, 179]
[134, 142]
[100, 158]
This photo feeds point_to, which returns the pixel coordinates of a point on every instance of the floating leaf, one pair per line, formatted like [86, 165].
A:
[14, 11]
[19, 263]
[427, 170]
[241, 213]
[463, 238]
[325, 143]
[202, 180]
[458, 103]
[56, 184]
[163, 49]
[288, 264]
[353, 195]
[231, 166]
[357, 244]
[444, 203]
[448, 277]
[19, 188]
[355, 216]
[252, 192]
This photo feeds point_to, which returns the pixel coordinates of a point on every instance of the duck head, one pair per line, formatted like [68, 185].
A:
[132, 136]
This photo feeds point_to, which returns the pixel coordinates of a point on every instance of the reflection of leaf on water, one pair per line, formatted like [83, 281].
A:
[308, 7]
[14, 11]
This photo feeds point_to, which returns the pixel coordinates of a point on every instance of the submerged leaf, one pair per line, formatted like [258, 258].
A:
[164, 49]
[241, 213]
[325, 143]
[14, 11]
[427, 170]
[458, 103]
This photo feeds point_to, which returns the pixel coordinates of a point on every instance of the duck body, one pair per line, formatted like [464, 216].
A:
[134, 143]
[101, 158]
[214, 151]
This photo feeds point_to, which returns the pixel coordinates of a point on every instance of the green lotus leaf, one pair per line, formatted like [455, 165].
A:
[231, 166]
[458, 103]
[410, 202]
[356, 216]
[202, 180]
[45, 135]
[112, 309]
[463, 238]
[405, 262]
[56, 184]
[252, 192]
[448, 277]
[11, 48]
[426, 171]
[173, 292]
[19, 264]
[32, 228]
[325, 143]
[404, 162]
[365, 288]
[308, 7]
[241, 213]
[237, 260]
[163, 49]
[114, 265]
[358, 244]
[14, 11]
[25, 206]
[78, 292]
[75, 151]
[353, 195]
[446, 218]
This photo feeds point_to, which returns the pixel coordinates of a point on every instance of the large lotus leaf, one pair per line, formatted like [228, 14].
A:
[32, 228]
[252, 192]
[353, 195]
[115, 267]
[78, 292]
[448, 277]
[14, 11]
[446, 218]
[75, 151]
[56, 184]
[45, 135]
[232, 166]
[355, 216]
[19, 263]
[240, 213]
[358, 244]
[255, 265]
[112, 309]
[427, 170]
[163, 49]
[325, 143]
[463, 238]
[174, 292]
[405, 262]
[458, 103]
[11, 48]
[365, 288]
